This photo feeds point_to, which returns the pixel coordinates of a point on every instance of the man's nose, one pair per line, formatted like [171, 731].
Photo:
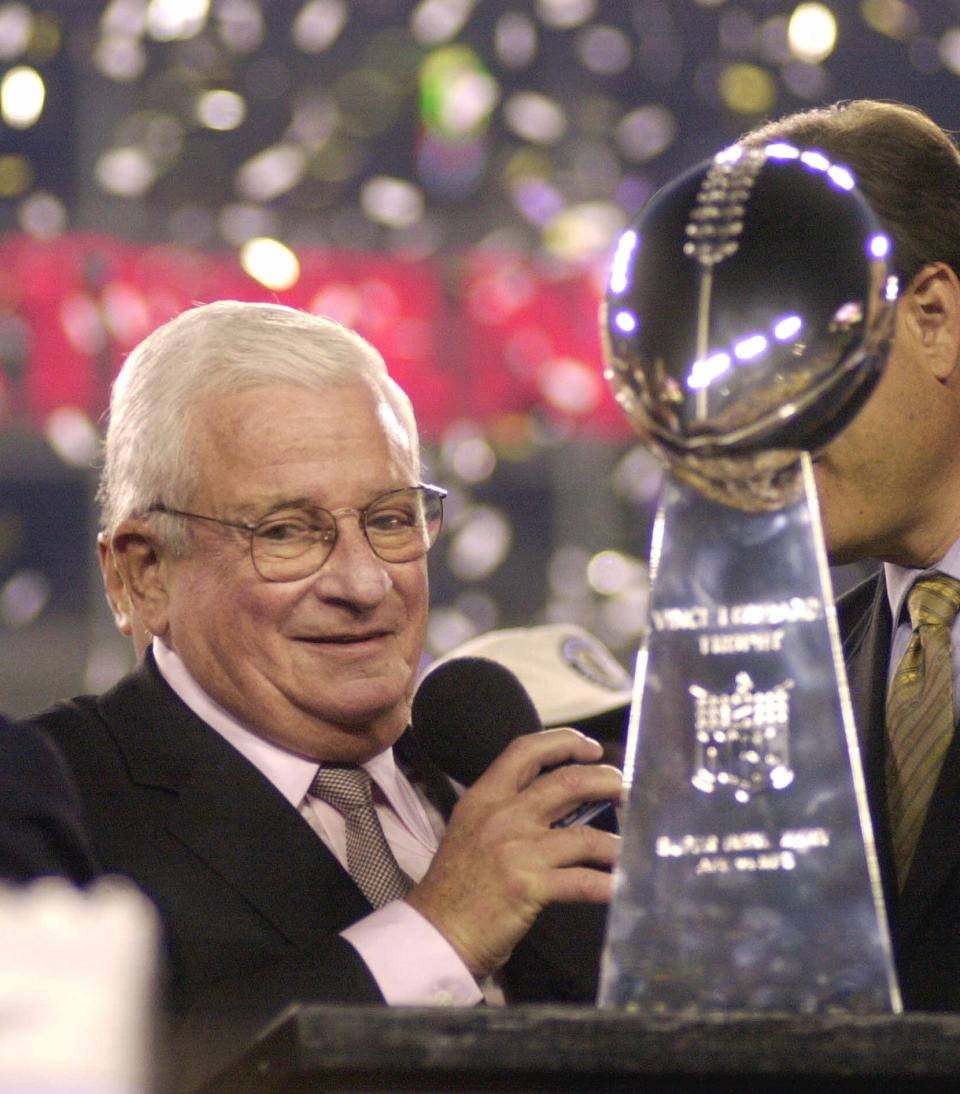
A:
[353, 573]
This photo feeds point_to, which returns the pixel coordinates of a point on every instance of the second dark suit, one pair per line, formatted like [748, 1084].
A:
[925, 916]
[41, 827]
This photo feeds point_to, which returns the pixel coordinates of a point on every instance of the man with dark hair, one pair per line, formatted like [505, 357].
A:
[889, 489]
[264, 520]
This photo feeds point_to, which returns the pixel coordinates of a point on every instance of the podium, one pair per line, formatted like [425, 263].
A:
[312, 1048]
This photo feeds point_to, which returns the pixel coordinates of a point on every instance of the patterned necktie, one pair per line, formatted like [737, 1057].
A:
[370, 861]
[920, 716]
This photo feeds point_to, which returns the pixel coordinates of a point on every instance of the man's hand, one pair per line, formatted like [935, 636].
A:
[500, 862]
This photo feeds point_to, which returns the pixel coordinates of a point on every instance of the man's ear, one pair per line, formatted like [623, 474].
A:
[933, 315]
[139, 558]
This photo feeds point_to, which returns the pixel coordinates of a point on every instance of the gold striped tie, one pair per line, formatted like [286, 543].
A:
[920, 717]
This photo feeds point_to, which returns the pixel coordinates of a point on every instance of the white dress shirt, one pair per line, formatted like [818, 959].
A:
[412, 963]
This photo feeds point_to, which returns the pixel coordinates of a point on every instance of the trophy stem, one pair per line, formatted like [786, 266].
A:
[748, 876]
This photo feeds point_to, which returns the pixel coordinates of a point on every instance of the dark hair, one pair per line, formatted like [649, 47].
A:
[906, 166]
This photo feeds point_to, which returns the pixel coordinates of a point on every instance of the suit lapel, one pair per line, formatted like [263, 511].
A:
[865, 623]
[228, 814]
[867, 652]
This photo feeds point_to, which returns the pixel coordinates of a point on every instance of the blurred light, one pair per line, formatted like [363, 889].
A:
[950, 50]
[747, 89]
[894, 18]
[240, 23]
[564, 14]
[126, 172]
[72, 435]
[816, 160]
[637, 476]
[584, 232]
[124, 17]
[457, 93]
[535, 117]
[515, 40]
[221, 110]
[625, 615]
[391, 201]
[125, 313]
[892, 288]
[272, 172]
[480, 544]
[339, 301]
[16, 175]
[318, 25]
[472, 460]
[45, 39]
[604, 50]
[168, 20]
[16, 27]
[812, 32]
[451, 168]
[780, 150]
[270, 262]
[746, 349]
[706, 370]
[841, 177]
[611, 572]
[106, 663]
[571, 386]
[22, 94]
[620, 263]
[435, 21]
[23, 597]
[878, 245]
[42, 215]
[625, 321]
[646, 132]
[787, 328]
[83, 324]
[537, 199]
[120, 57]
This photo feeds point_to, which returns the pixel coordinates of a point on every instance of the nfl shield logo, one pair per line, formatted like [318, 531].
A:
[742, 739]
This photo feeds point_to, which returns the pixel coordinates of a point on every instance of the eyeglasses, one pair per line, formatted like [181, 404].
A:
[289, 544]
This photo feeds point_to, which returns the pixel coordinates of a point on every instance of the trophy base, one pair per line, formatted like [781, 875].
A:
[748, 877]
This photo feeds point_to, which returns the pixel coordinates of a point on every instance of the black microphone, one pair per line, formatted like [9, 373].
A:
[465, 713]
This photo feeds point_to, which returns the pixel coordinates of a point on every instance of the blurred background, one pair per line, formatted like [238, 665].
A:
[447, 176]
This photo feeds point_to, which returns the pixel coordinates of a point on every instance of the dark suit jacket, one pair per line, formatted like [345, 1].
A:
[41, 830]
[251, 900]
[925, 916]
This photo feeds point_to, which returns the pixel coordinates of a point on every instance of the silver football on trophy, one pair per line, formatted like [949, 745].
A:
[747, 317]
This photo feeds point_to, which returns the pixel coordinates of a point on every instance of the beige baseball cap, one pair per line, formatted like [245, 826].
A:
[568, 672]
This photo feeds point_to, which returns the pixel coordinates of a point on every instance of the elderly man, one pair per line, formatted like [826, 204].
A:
[262, 502]
[890, 489]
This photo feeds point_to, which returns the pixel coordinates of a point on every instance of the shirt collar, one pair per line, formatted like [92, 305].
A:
[900, 579]
[290, 773]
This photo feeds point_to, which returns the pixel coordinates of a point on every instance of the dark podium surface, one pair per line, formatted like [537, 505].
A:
[552, 1048]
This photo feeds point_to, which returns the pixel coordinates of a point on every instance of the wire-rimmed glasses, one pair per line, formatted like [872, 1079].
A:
[292, 543]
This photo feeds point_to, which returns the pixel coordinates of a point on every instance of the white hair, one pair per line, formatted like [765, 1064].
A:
[210, 350]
